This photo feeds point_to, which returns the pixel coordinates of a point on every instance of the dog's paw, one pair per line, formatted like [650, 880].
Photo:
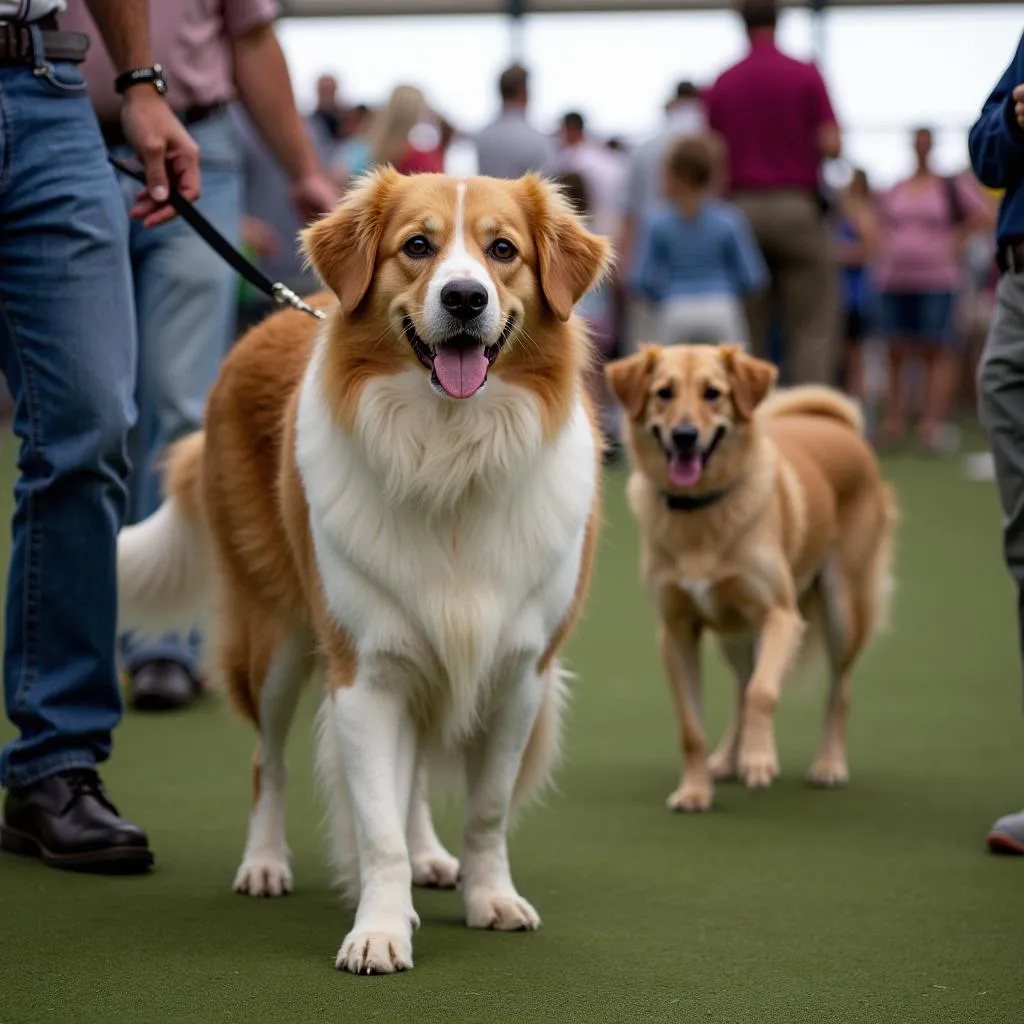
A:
[376, 951]
[501, 911]
[723, 765]
[437, 869]
[759, 766]
[264, 875]
[691, 796]
[829, 773]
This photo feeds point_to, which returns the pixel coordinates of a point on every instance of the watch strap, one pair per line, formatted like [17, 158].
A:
[141, 76]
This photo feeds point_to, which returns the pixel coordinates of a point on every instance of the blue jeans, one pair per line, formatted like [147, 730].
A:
[187, 300]
[67, 349]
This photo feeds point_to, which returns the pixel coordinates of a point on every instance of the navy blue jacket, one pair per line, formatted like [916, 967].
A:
[997, 149]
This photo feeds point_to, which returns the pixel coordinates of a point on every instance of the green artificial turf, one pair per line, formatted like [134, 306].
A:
[875, 904]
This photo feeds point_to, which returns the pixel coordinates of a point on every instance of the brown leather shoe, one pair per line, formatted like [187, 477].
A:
[68, 821]
[162, 685]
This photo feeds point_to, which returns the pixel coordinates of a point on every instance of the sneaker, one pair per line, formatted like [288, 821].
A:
[1007, 834]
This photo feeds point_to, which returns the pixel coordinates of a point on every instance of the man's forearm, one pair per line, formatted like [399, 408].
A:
[830, 141]
[124, 25]
[265, 89]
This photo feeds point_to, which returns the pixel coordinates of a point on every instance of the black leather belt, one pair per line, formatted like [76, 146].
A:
[1010, 256]
[113, 133]
[16, 43]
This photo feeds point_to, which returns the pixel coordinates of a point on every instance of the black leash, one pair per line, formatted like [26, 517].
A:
[280, 293]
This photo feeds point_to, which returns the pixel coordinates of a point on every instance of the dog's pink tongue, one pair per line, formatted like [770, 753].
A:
[461, 371]
[684, 472]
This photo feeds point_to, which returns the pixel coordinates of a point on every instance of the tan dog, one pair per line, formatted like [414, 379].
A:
[759, 516]
[403, 502]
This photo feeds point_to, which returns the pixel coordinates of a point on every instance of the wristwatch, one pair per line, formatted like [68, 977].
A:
[142, 76]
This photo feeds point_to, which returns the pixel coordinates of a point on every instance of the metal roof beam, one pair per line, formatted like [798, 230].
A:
[419, 8]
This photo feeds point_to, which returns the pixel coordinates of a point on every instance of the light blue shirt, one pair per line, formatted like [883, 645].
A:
[712, 253]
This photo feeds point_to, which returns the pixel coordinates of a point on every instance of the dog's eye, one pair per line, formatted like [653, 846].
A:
[665, 393]
[417, 247]
[710, 393]
[502, 249]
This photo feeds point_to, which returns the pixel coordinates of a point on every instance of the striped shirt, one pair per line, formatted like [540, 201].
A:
[712, 253]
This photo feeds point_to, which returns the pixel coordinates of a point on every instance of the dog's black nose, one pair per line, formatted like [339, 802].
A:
[464, 298]
[684, 439]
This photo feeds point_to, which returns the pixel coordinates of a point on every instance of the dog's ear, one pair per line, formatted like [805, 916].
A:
[751, 379]
[342, 247]
[570, 260]
[630, 379]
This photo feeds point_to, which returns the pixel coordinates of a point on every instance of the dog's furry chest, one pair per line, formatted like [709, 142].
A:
[456, 589]
[702, 588]
[727, 596]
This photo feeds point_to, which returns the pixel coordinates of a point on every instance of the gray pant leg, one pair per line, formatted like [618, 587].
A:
[1001, 410]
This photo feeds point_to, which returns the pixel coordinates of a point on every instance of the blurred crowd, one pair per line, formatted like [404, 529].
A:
[726, 229]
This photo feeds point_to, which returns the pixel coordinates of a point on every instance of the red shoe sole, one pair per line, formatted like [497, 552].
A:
[1000, 842]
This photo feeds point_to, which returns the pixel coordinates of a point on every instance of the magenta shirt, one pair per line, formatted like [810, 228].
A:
[769, 109]
[190, 39]
[918, 251]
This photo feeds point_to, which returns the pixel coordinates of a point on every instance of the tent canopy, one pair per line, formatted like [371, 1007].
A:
[368, 8]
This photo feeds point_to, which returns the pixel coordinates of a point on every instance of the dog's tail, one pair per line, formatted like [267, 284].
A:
[164, 566]
[814, 400]
[544, 750]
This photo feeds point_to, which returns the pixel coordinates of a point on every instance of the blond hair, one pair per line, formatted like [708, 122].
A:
[390, 134]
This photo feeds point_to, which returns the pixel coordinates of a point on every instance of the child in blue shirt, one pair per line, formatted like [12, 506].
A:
[697, 257]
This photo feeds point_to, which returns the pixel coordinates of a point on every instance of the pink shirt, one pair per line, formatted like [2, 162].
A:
[919, 237]
[769, 108]
[190, 39]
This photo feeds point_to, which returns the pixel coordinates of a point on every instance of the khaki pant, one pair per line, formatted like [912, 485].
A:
[702, 320]
[793, 236]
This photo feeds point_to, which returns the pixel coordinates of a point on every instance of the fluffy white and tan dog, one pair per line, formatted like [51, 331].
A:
[406, 499]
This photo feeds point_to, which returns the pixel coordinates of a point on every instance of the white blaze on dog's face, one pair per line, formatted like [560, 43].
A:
[464, 278]
[463, 323]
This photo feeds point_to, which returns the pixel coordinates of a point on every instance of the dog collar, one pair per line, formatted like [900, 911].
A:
[691, 502]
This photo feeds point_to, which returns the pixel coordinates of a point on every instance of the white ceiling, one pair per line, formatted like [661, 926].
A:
[366, 8]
